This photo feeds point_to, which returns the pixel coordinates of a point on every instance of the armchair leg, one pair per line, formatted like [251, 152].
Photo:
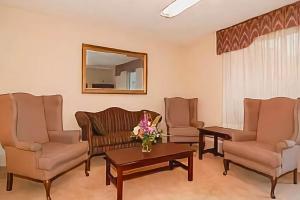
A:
[295, 176]
[47, 185]
[10, 180]
[273, 185]
[86, 170]
[89, 164]
[171, 164]
[226, 166]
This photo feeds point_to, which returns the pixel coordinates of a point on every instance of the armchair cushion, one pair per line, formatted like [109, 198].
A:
[185, 131]
[285, 144]
[55, 154]
[179, 112]
[251, 114]
[53, 112]
[276, 120]
[261, 153]
[243, 136]
[31, 122]
[186, 134]
[28, 146]
[67, 137]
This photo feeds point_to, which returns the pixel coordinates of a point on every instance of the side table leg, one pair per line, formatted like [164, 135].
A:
[201, 145]
[190, 168]
[119, 184]
[216, 145]
[107, 172]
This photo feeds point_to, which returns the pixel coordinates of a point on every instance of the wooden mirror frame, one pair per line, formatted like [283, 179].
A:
[86, 90]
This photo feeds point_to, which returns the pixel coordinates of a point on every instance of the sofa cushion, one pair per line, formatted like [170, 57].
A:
[258, 152]
[97, 125]
[116, 119]
[55, 154]
[113, 138]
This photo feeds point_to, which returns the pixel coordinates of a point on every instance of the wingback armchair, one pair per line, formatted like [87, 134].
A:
[269, 143]
[35, 144]
[181, 120]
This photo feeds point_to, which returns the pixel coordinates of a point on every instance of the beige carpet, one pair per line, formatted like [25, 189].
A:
[208, 184]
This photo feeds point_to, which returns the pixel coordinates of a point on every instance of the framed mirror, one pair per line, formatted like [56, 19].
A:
[113, 71]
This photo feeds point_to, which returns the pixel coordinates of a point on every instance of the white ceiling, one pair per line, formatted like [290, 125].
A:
[144, 15]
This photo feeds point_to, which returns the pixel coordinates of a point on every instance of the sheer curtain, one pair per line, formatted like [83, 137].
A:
[269, 67]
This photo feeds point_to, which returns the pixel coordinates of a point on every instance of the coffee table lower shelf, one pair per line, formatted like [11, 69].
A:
[172, 159]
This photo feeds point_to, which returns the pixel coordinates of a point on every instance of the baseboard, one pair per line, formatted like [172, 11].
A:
[2, 157]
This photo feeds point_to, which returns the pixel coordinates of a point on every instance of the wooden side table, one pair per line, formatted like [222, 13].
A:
[215, 132]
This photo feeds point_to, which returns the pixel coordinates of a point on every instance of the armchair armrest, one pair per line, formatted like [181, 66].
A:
[285, 144]
[197, 124]
[28, 146]
[67, 137]
[240, 136]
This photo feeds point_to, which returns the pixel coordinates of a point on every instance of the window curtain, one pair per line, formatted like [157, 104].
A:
[268, 68]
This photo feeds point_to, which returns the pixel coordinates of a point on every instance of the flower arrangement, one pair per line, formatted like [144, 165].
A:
[147, 132]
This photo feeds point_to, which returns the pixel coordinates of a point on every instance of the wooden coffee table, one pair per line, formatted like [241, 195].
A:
[132, 158]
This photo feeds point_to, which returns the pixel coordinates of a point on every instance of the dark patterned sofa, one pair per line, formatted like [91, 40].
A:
[117, 124]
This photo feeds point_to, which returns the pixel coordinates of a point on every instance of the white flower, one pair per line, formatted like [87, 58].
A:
[136, 130]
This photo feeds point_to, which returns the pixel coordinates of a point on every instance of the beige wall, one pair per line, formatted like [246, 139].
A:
[41, 54]
[205, 78]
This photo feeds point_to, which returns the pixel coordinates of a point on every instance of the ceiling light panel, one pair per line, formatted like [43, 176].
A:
[177, 7]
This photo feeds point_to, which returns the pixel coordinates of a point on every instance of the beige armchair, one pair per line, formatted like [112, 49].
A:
[36, 147]
[181, 120]
[269, 143]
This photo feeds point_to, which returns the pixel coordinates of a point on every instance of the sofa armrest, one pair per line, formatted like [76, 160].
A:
[197, 124]
[28, 146]
[67, 137]
[285, 144]
[85, 125]
[240, 136]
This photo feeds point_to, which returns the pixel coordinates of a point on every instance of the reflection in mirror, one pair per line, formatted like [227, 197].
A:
[108, 70]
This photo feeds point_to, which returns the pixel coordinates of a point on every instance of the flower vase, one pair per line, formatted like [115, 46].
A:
[146, 145]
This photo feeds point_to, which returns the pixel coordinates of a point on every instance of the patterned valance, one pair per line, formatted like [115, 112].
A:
[242, 35]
